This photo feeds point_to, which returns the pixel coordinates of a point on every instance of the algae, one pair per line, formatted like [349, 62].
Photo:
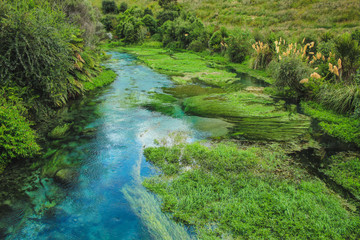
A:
[255, 116]
[60, 131]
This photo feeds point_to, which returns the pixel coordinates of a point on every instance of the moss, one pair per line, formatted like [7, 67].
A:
[340, 126]
[163, 103]
[60, 131]
[183, 91]
[255, 116]
[250, 193]
[105, 77]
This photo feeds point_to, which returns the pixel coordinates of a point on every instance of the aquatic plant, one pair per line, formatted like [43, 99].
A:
[224, 191]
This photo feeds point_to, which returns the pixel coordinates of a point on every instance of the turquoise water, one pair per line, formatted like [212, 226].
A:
[105, 149]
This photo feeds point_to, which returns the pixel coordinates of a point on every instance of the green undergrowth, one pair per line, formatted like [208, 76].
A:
[344, 168]
[340, 126]
[251, 193]
[256, 116]
[106, 77]
[60, 131]
[17, 138]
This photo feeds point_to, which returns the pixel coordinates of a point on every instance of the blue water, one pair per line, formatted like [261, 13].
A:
[107, 201]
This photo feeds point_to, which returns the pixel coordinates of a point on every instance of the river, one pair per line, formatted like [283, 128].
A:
[109, 131]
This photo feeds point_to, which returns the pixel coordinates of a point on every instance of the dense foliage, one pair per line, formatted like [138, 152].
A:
[17, 139]
[253, 193]
[47, 53]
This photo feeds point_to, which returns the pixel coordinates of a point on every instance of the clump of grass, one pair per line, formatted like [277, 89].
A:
[342, 99]
[105, 77]
[253, 193]
[341, 126]
[344, 169]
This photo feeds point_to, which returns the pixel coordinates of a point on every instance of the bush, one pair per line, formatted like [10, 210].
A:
[109, 6]
[150, 23]
[348, 50]
[356, 35]
[340, 98]
[262, 56]
[288, 73]
[197, 46]
[217, 40]
[123, 7]
[167, 15]
[238, 47]
[17, 139]
[35, 51]
[148, 11]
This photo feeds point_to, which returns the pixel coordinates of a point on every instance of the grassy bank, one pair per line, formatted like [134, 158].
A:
[252, 193]
[106, 77]
[344, 127]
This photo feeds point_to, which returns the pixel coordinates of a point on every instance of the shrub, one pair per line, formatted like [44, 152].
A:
[262, 56]
[109, 6]
[340, 98]
[35, 50]
[85, 16]
[197, 46]
[109, 22]
[238, 46]
[17, 139]
[148, 11]
[150, 23]
[288, 73]
[217, 40]
[356, 35]
[167, 15]
[167, 3]
[348, 50]
[123, 7]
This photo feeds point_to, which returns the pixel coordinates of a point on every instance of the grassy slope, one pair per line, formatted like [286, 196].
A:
[293, 15]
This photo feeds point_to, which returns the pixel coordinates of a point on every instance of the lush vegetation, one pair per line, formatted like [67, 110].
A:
[321, 67]
[197, 42]
[344, 168]
[48, 55]
[227, 192]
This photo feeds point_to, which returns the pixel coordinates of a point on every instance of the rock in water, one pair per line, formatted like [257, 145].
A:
[66, 176]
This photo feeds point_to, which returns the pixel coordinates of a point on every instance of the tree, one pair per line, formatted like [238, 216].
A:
[167, 3]
[109, 6]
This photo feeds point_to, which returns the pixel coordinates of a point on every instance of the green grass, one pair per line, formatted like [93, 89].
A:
[105, 77]
[340, 126]
[344, 168]
[253, 193]
[290, 16]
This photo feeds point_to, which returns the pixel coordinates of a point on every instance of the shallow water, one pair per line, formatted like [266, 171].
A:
[105, 148]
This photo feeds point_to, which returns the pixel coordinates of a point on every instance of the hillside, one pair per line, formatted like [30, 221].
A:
[289, 15]
[279, 14]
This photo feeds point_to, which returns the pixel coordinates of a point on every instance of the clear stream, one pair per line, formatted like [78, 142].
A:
[105, 149]
[109, 133]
